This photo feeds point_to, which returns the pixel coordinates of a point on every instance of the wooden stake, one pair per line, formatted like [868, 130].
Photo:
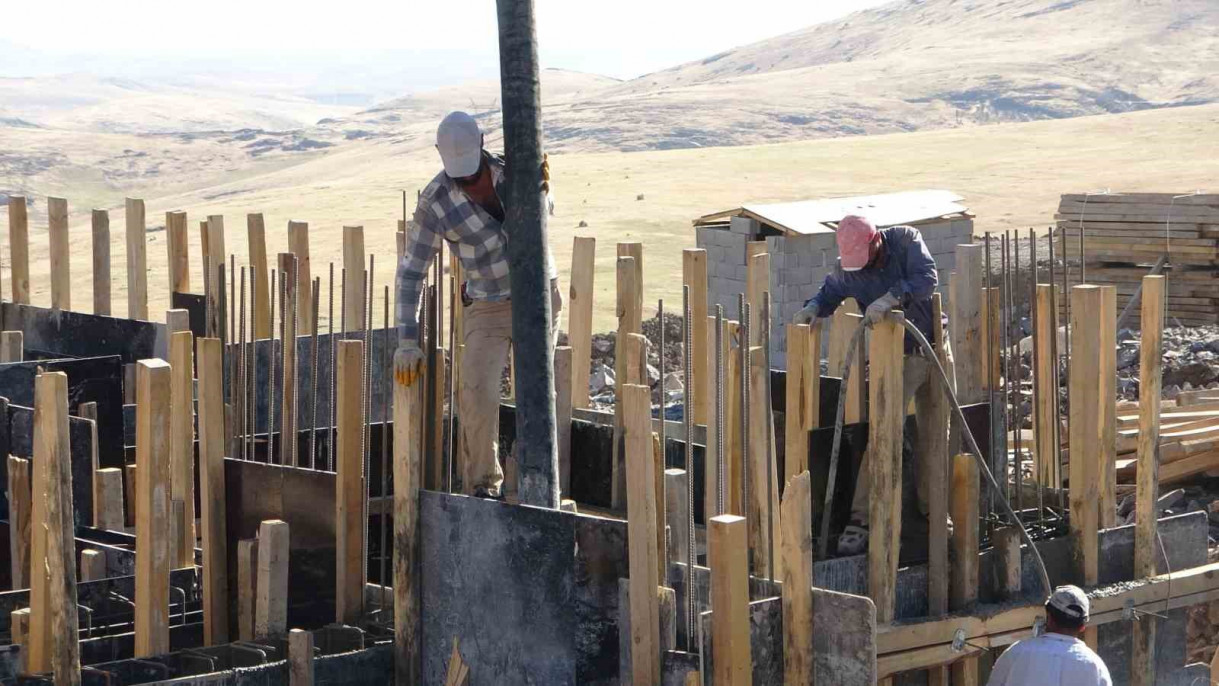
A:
[92, 565]
[152, 556]
[934, 420]
[884, 462]
[658, 479]
[216, 285]
[61, 254]
[212, 493]
[177, 247]
[271, 606]
[355, 263]
[965, 488]
[182, 435]
[630, 316]
[1146, 526]
[260, 278]
[1045, 387]
[349, 503]
[757, 282]
[108, 483]
[288, 423]
[580, 316]
[729, 600]
[298, 244]
[803, 395]
[408, 476]
[19, 629]
[1107, 395]
[19, 513]
[1085, 432]
[797, 577]
[641, 535]
[966, 322]
[247, 586]
[300, 658]
[763, 476]
[694, 275]
[12, 346]
[137, 261]
[677, 504]
[101, 262]
[845, 321]
[19, 248]
[564, 398]
[734, 439]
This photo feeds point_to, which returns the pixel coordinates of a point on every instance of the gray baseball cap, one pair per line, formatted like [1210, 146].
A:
[460, 143]
[1071, 601]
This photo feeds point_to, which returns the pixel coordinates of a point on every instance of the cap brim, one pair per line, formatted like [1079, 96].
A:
[851, 269]
[465, 164]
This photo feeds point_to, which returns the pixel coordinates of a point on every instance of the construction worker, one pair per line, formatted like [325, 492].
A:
[884, 270]
[462, 205]
[1057, 657]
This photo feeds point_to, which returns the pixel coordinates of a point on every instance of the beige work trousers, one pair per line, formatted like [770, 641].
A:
[488, 337]
[919, 381]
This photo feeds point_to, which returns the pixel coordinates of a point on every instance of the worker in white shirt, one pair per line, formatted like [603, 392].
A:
[1057, 657]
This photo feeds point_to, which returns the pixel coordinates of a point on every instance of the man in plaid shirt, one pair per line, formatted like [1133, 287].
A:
[462, 206]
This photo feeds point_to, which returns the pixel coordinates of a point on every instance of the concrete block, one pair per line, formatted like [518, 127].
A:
[743, 226]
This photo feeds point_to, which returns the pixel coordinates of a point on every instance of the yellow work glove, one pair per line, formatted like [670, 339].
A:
[408, 364]
[545, 173]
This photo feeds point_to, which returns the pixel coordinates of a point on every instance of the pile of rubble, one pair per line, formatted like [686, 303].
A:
[602, 384]
[1191, 360]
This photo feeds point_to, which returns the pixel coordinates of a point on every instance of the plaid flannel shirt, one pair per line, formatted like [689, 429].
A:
[445, 212]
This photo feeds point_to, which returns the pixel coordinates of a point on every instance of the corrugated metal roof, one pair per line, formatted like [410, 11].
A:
[817, 216]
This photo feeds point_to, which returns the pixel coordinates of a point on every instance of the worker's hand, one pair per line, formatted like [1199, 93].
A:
[879, 308]
[806, 316]
[545, 173]
[408, 363]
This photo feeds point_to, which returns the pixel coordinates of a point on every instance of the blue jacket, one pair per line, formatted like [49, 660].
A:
[907, 270]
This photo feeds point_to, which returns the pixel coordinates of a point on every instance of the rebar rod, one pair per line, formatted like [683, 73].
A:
[454, 296]
[316, 293]
[239, 390]
[366, 400]
[661, 500]
[231, 305]
[334, 464]
[744, 336]
[1005, 363]
[1057, 436]
[988, 355]
[285, 448]
[719, 410]
[768, 417]
[1033, 316]
[252, 391]
[1017, 375]
[274, 367]
[688, 420]
[1066, 344]
[386, 392]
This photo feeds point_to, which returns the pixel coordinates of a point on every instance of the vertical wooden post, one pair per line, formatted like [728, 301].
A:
[992, 372]
[845, 321]
[641, 534]
[677, 504]
[300, 658]
[247, 587]
[298, 244]
[797, 576]
[19, 511]
[694, 275]
[216, 288]
[38, 640]
[763, 477]
[658, 480]
[178, 252]
[61, 254]
[288, 418]
[934, 420]
[884, 462]
[349, 501]
[635, 251]
[580, 316]
[630, 315]
[92, 565]
[256, 233]
[564, 399]
[734, 438]
[802, 391]
[965, 488]
[408, 476]
[728, 555]
[1146, 526]
[1045, 387]
[711, 463]
[355, 263]
[19, 248]
[152, 556]
[966, 322]
[1006, 541]
[212, 493]
[182, 447]
[271, 606]
[109, 488]
[137, 261]
[205, 246]
[757, 282]
[101, 262]
[1107, 395]
[1085, 432]
[12, 346]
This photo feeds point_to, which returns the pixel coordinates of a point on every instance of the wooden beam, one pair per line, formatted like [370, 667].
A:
[152, 556]
[797, 577]
[212, 493]
[1107, 395]
[271, 605]
[641, 534]
[658, 480]
[61, 254]
[108, 484]
[564, 399]
[19, 629]
[12, 346]
[1147, 491]
[630, 320]
[884, 462]
[355, 263]
[349, 501]
[205, 245]
[20, 483]
[694, 275]
[677, 504]
[1085, 432]
[300, 658]
[757, 282]
[19, 248]
[803, 393]
[101, 262]
[287, 410]
[843, 324]
[92, 565]
[408, 477]
[728, 554]
[734, 438]
[182, 437]
[580, 296]
[966, 321]
[298, 244]
[256, 233]
[965, 491]
[247, 587]
[177, 247]
[1045, 386]
[711, 463]
[763, 476]
[137, 261]
[216, 286]
[934, 420]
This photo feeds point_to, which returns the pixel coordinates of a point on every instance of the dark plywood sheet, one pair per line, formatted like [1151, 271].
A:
[19, 435]
[76, 334]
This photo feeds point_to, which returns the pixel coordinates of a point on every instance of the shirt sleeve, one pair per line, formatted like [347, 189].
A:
[423, 238]
[921, 277]
[999, 673]
[829, 297]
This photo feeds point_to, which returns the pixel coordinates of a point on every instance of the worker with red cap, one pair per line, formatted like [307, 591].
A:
[885, 270]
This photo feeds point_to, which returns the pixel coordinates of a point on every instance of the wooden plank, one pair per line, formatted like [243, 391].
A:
[217, 255]
[1085, 432]
[355, 263]
[884, 460]
[966, 322]
[711, 464]
[61, 253]
[408, 477]
[564, 399]
[152, 556]
[630, 315]
[1045, 386]
[182, 437]
[734, 437]
[580, 296]
[658, 475]
[1107, 395]
[300, 658]
[795, 430]
[694, 275]
[757, 282]
[19, 628]
[287, 408]
[797, 577]
[641, 534]
[19, 248]
[212, 493]
[92, 565]
[1128, 198]
[1151, 348]
[965, 491]
[177, 247]
[101, 262]
[763, 477]
[129, 483]
[992, 370]
[247, 587]
[137, 260]
[19, 512]
[349, 500]
[934, 419]
[256, 234]
[298, 244]
[12, 346]
[842, 327]
[271, 596]
[109, 515]
[728, 555]
[677, 504]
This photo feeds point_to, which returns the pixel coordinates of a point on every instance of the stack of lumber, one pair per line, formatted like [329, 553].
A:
[1124, 235]
[1189, 439]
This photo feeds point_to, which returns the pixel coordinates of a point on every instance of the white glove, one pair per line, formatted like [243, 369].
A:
[880, 307]
[408, 363]
[806, 315]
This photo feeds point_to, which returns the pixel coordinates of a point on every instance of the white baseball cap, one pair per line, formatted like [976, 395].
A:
[460, 143]
[1071, 601]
